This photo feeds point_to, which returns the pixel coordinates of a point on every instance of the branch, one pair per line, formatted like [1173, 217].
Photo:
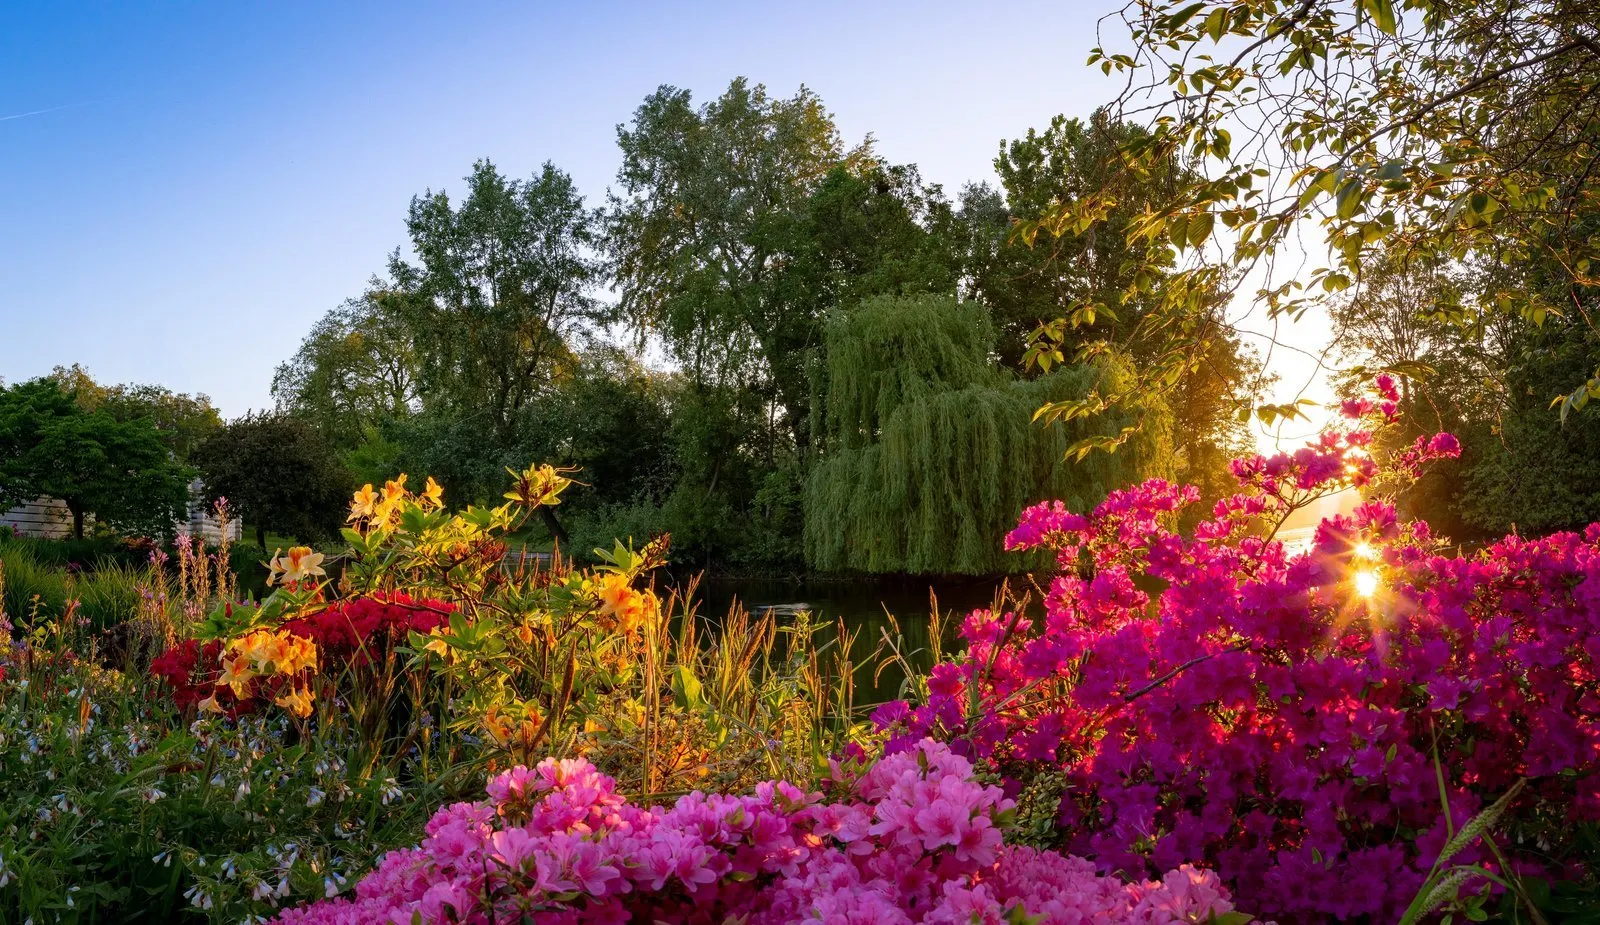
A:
[1130, 698]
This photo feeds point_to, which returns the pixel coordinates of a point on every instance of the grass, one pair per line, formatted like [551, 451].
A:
[42, 578]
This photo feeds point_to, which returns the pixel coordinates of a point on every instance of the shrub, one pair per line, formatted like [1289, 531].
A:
[912, 838]
[1314, 727]
[114, 808]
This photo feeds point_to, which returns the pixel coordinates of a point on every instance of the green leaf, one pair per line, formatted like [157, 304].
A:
[1178, 19]
[1347, 202]
[1200, 228]
[686, 688]
[1383, 15]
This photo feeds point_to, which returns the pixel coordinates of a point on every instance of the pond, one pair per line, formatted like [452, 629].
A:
[864, 607]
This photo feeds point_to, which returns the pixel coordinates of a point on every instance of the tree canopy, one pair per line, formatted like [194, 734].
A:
[183, 420]
[1457, 130]
[279, 474]
[931, 451]
[741, 230]
[119, 471]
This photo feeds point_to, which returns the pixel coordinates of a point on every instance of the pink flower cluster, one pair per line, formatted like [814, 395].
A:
[1287, 720]
[911, 838]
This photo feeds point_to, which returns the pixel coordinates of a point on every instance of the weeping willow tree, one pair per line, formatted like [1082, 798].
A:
[930, 451]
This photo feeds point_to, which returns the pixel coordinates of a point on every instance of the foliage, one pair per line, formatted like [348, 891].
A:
[1377, 122]
[1103, 278]
[277, 473]
[611, 420]
[1523, 468]
[929, 451]
[699, 233]
[105, 594]
[434, 638]
[355, 371]
[441, 364]
[1313, 727]
[500, 285]
[272, 751]
[116, 808]
[183, 420]
[118, 471]
[1024, 286]
[912, 838]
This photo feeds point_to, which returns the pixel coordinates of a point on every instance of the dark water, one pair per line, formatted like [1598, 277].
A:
[864, 607]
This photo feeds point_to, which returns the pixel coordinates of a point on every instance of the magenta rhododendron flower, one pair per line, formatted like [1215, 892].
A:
[1285, 721]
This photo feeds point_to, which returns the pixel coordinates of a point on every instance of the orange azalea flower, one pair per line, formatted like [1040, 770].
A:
[615, 594]
[295, 655]
[297, 701]
[498, 725]
[260, 647]
[210, 705]
[619, 600]
[237, 675]
[433, 493]
[363, 504]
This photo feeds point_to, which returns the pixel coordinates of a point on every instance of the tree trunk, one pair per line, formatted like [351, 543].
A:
[261, 537]
[552, 524]
[77, 519]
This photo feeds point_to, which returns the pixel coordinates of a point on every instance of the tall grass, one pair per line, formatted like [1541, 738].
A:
[40, 584]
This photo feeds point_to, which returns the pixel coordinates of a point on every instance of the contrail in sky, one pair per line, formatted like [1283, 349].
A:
[40, 112]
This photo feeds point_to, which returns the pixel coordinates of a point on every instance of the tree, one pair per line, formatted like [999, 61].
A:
[279, 473]
[1455, 129]
[739, 227]
[931, 454]
[501, 284]
[1026, 286]
[611, 420]
[1088, 275]
[1527, 470]
[183, 420]
[120, 472]
[356, 371]
[1522, 467]
[705, 225]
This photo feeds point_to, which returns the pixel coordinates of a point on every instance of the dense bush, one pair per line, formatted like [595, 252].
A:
[1315, 728]
[912, 838]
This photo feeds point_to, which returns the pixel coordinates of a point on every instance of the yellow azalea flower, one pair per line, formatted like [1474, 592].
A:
[210, 705]
[258, 647]
[433, 493]
[301, 562]
[394, 492]
[296, 701]
[439, 644]
[363, 504]
[236, 675]
[538, 485]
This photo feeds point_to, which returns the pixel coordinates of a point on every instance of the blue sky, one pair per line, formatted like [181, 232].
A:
[220, 175]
